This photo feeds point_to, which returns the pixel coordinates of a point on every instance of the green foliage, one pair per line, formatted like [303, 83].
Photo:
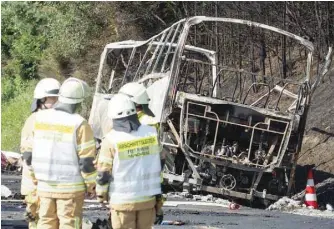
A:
[78, 32]
[61, 31]
[14, 114]
[12, 87]
[23, 38]
[72, 28]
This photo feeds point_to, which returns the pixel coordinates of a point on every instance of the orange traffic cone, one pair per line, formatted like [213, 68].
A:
[310, 196]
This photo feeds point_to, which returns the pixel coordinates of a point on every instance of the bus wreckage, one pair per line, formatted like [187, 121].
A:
[232, 97]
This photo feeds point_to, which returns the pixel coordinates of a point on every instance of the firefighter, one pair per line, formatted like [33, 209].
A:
[62, 159]
[137, 93]
[129, 168]
[45, 96]
[139, 96]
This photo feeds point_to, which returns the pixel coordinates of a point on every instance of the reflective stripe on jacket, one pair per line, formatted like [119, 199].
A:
[28, 182]
[55, 160]
[136, 166]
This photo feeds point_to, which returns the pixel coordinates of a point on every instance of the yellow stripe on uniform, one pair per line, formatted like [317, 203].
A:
[77, 223]
[28, 173]
[90, 178]
[143, 199]
[60, 188]
[86, 145]
[102, 188]
[102, 159]
[54, 127]
[134, 201]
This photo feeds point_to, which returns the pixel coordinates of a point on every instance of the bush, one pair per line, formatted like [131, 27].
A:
[23, 38]
[14, 113]
[12, 87]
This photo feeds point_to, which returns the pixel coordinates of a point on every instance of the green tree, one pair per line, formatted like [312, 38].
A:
[23, 38]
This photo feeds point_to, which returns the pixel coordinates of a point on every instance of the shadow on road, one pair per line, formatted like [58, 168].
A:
[14, 224]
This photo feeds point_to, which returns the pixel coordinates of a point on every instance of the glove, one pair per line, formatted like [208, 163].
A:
[29, 216]
[32, 202]
[159, 217]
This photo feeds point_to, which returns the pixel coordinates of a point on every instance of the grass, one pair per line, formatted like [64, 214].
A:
[13, 115]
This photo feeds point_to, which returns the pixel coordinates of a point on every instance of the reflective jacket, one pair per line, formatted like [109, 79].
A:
[55, 155]
[135, 175]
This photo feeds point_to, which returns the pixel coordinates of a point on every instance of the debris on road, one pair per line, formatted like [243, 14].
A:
[4, 161]
[221, 201]
[179, 195]
[285, 204]
[234, 206]
[208, 198]
[5, 192]
[13, 157]
[329, 207]
[198, 198]
[10, 161]
[288, 205]
[176, 223]
[93, 206]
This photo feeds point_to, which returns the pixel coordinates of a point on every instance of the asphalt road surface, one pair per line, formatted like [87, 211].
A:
[193, 216]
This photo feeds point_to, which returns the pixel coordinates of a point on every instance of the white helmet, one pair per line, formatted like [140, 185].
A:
[136, 91]
[73, 91]
[47, 87]
[120, 106]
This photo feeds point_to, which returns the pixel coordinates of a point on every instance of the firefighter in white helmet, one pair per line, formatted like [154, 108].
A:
[138, 95]
[62, 159]
[129, 167]
[45, 96]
